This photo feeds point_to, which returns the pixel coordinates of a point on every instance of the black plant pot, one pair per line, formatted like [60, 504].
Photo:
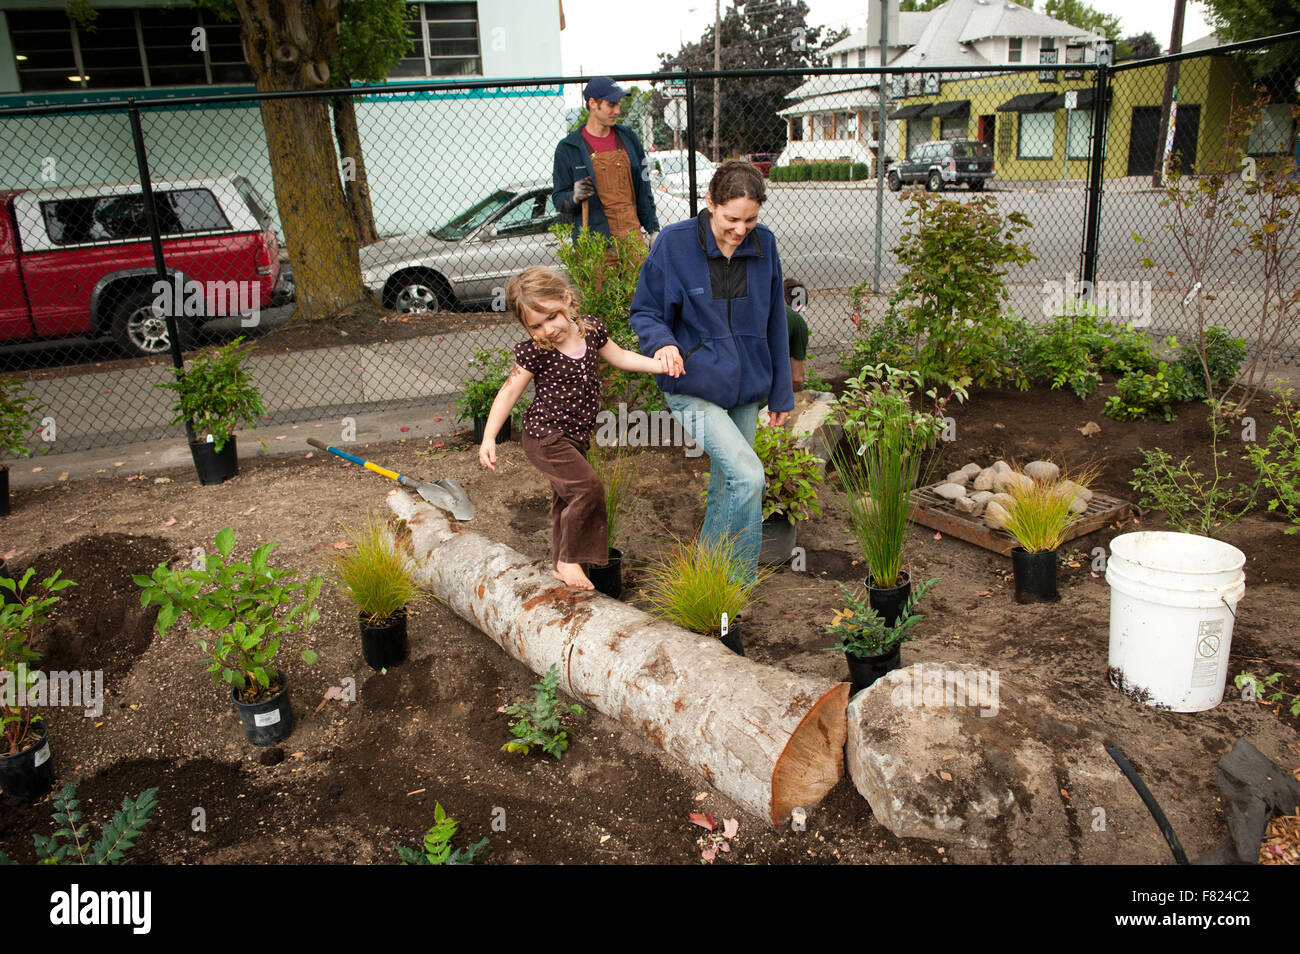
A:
[30, 773]
[481, 422]
[384, 644]
[215, 468]
[1035, 575]
[4, 491]
[865, 670]
[778, 540]
[269, 721]
[608, 579]
[732, 641]
[889, 601]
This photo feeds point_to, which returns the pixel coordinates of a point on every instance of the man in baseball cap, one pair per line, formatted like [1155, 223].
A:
[600, 179]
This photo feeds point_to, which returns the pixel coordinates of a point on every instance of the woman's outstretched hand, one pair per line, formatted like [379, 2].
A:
[670, 359]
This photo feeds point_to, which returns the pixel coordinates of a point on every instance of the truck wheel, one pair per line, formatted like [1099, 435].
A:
[893, 181]
[935, 182]
[139, 330]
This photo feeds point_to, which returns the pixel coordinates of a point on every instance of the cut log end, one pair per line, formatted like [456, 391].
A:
[812, 762]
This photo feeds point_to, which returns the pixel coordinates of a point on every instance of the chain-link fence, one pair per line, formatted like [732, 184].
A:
[447, 191]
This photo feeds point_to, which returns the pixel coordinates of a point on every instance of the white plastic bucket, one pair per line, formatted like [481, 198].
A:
[1173, 600]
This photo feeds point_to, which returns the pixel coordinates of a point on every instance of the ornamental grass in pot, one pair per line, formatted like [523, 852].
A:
[871, 645]
[246, 610]
[704, 586]
[617, 469]
[792, 478]
[378, 575]
[1040, 515]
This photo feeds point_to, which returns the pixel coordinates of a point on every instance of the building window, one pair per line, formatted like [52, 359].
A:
[862, 57]
[796, 128]
[1013, 49]
[1036, 132]
[1272, 134]
[446, 41]
[918, 131]
[1079, 136]
[1047, 45]
[846, 125]
[1075, 53]
[954, 127]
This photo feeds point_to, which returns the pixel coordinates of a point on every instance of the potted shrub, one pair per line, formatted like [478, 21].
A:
[1041, 513]
[379, 577]
[247, 609]
[882, 459]
[616, 469]
[26, 769]
[871, 645]
[792, 478]
[216, 395]
[17, 416]
[704, 587]
[479, 390]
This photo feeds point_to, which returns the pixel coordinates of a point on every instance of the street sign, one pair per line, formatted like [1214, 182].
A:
[675, 114]
[1072, 99]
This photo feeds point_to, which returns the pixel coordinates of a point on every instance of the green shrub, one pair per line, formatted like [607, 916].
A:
[1278, 459]
[1224, 356]
[537, 724]
[793, 475]
[216, 394]
[488, 370]
[119, 836]
[1147, 394]
[18, 411]
[860, 630]
[437, 844]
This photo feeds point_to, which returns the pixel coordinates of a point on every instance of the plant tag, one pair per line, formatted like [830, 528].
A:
[724, 624]
[263, 719]
[42, 755]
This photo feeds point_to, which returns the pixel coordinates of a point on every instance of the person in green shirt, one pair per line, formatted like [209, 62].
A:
[796, 297]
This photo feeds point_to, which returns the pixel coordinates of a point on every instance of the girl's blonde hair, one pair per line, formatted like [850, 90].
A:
[536, 284]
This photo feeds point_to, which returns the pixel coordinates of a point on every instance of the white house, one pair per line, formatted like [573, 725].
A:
[838, 117]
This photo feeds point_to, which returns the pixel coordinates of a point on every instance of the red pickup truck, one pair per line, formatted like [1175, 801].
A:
[78, 261]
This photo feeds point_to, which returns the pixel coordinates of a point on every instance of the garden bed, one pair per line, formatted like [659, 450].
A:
[357, 778]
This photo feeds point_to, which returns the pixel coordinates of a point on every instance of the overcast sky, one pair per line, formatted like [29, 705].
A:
[604, 37]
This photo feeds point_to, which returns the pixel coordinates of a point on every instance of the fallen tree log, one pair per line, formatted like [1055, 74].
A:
[771, 740]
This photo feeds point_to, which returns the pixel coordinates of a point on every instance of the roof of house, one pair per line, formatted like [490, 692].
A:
[1204, 43]
[990, 18]
[910, 25]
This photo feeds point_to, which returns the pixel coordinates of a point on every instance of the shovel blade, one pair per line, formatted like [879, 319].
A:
[450, 496]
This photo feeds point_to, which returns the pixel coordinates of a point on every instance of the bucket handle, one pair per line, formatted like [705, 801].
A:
[1228, 606]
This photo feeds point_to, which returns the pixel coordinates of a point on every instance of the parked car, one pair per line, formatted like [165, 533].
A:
[78, 261]
[763, 161]
[669, 172]
[943, 163]
[468, 260]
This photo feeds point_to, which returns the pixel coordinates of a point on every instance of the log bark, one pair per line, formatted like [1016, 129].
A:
[769, 739]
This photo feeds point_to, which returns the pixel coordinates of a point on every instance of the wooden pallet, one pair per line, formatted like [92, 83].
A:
[931, 510]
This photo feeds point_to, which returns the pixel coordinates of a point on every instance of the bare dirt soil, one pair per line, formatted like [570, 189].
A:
[357, 778]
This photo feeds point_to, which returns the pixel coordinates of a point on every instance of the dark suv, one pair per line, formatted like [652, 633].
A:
[943, 163]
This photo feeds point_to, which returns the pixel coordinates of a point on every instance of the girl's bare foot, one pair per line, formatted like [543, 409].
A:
[570, 574]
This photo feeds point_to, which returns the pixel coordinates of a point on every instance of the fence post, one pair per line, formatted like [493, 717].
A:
[1092, 213]
[690, 142]
[155, 239]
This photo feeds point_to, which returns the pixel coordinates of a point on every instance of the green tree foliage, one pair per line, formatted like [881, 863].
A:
[919, 6]
[1139, 46]
[773, 34]
[1079, 14]
[1237, 20]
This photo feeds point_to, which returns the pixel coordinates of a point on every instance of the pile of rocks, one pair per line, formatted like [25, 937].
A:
[987, 491]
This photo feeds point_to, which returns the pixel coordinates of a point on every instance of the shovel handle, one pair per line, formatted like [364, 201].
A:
[367, 464]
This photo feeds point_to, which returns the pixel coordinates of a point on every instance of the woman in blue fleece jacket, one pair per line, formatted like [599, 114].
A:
[711, 303]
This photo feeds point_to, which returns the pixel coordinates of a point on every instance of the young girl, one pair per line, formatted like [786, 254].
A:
[561, 355]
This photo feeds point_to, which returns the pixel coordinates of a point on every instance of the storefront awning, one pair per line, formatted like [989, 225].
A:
[1058, 101]
[1025, 103]
[953, 107]
[910, 112]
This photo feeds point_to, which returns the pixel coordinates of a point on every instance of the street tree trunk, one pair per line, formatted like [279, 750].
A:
[288, 46]
[356, 184]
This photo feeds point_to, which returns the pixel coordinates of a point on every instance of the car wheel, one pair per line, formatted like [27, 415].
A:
[415, 293]
[895, 183]
[935, 182]
[977, 185]
[140, 330]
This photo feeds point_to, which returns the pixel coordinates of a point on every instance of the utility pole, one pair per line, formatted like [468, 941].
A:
[1171, 81]
[882, 101]
[717, 83]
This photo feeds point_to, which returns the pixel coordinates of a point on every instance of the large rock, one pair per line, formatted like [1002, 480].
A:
[971, 469]
[959, 477]
[1009, 480]
[995, 515]
[972, 757]
[969, 506]
[950, 491]
[1070, 487]
[984, 479]
[1042, 470]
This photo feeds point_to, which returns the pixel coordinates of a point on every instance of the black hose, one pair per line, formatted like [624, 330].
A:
[1166, 829]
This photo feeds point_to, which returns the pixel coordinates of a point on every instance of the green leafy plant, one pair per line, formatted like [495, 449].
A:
[1212, 368]
[616, 467]
[886, 341]
[70, 844]
[793, 475]
[861, 632]
[1191, 501]
[954, 255]
[1277, 459]
[18, 411]
[1267, 691]
[1064, 353]
[437, 848]
[537, 724]
[1041, 515]
[1142, 394]
[248, 607]
[216, 394]
[882, 460]
[697, 581]
[488, 371]
[23, 611]
[812, 381]
[376, 572]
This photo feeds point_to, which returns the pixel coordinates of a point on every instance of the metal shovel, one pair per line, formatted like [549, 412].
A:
[445, 494]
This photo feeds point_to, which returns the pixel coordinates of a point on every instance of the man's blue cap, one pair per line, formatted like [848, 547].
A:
[602, 87]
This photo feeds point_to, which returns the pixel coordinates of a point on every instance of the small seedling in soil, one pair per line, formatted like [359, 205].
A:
[715, 841]
[437, 844]
[538, 723]
[1267, 691]
[119, 835]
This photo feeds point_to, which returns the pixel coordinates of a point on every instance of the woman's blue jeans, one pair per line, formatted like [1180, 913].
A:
[735, 507]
